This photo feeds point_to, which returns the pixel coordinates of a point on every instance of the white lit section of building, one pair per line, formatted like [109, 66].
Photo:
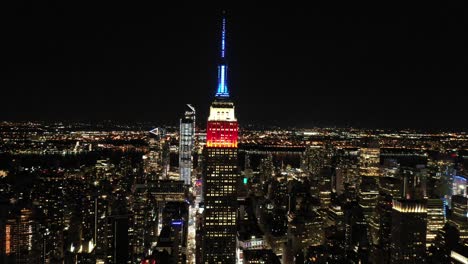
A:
[459, 186]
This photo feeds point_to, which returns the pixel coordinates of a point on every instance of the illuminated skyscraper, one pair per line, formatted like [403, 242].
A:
[369, 162]
[186, 142]
[459, 186]
[220, 173]
[408, 239]
[19, 241]
[459, 217]
[435, 219]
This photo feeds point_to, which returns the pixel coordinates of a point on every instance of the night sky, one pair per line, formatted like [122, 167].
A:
[306, 66]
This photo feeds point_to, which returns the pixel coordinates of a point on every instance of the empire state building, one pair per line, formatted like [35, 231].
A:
[220, 175]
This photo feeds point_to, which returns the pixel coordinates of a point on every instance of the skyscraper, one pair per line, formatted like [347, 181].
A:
[186, 142]
[435, 219]
[459, 217]
[19, 233]
[408, 238]
[369, 160]
[220, 173]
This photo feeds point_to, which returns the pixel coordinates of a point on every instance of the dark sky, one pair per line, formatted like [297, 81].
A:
[368, 66]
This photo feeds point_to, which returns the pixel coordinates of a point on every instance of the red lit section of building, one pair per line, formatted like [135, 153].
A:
[222, 134]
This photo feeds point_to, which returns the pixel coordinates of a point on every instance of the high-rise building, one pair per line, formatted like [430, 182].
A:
[369, 170]
[20, 229]
[383, 217]
[369, 160]
[356, 240]
[408, 239]
[459, 217]
[435, 219]
[459, 185]
[390, 186]
[413, 183]
[220, 173]
[118, 232]
[186, 144]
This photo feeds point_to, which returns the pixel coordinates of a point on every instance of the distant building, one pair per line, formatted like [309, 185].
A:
[186, 145]
[390, 186]
[369, 160]
[369, 170]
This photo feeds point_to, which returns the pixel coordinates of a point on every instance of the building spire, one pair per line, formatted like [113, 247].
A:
[222, 90]
[223, 36]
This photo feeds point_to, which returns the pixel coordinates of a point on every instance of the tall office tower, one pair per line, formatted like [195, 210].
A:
[356, 240]
[325, 186]
[346, 172]
[118, 233]
[413, 183]
[384, 220]
[144, 224]
[220, 173]
[266, 167]
[390, 186]
[315, 158]
[368, 198]
[20, 230]
[435, 219]
[369, 162]
[101, 212]
[186, 144]
[408, 239]
[459, 217]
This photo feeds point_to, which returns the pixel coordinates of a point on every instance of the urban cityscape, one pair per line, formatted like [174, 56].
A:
[213, 189]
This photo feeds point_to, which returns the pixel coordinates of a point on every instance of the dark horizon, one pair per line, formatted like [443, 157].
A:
[304, 67]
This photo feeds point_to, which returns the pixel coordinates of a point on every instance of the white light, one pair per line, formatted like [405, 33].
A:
[459, 257]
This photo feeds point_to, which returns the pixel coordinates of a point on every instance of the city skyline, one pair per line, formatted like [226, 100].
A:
[190, 187]
[321, 66]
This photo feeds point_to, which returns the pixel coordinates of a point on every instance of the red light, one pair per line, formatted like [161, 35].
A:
[147, 261]
[198, 183]
[222, 134]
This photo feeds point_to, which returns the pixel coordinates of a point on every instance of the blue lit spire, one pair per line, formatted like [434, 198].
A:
[222, 90]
